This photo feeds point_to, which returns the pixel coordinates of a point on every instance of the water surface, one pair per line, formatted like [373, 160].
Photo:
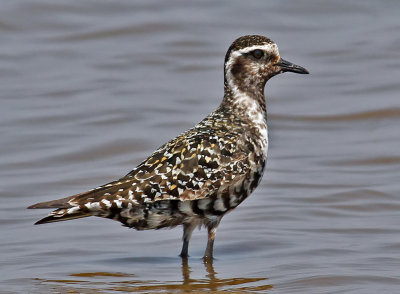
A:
[89, 89]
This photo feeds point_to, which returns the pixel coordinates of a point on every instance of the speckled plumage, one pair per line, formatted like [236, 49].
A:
[205, 172]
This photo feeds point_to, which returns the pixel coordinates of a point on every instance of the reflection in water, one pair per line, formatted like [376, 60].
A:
[103, 282]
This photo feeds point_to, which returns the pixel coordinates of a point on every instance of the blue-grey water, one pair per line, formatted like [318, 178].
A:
[90, 88]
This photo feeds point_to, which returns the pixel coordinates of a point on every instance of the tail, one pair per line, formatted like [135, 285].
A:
[59, 203]
[80, 205]
[65, 210]
[62, 214]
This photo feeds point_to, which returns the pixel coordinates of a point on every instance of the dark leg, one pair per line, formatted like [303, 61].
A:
[185, 271]
[211, 274]
[187, 233]
[208, 255]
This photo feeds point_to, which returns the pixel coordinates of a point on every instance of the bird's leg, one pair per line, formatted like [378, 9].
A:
[185, 271]
[187, 233]
[210, 271]
[208, 255]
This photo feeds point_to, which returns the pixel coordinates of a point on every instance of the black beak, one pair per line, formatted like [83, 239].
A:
[288, 66]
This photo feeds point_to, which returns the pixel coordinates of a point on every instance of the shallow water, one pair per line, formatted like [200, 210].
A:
[89, 89]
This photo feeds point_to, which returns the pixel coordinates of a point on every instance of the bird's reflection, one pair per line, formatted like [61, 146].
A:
[210, 276]
[102, 282]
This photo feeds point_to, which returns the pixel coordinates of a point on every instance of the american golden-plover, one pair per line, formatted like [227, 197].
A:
[199, 176]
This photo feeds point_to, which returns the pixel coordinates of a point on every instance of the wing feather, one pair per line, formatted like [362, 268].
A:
[195, 165]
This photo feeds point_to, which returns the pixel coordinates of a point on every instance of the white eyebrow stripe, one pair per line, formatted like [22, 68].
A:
[267, 47]
[272, 48]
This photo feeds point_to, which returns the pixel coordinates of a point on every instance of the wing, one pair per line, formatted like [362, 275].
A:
[192, 166]
[187, 168]
[196, 165]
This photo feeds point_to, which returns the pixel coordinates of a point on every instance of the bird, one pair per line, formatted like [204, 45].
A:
[196, 178]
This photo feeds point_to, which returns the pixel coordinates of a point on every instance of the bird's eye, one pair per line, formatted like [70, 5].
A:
[257, 53]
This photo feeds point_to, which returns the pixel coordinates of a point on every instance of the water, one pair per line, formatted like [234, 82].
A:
[90, 88]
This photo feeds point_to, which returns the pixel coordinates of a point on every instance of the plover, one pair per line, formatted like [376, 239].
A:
[196, 178]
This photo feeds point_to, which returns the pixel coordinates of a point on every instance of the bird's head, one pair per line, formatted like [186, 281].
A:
[251, 61]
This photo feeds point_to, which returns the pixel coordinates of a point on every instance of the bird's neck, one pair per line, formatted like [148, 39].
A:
[245, 100]
[248, 105]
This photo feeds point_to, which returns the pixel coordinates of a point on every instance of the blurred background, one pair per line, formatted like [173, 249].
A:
[88, 89]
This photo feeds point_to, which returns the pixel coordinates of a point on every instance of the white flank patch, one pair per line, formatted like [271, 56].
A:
[155, 219]
[233, 201]
[219, 205]
[185, 207]
[203, 203]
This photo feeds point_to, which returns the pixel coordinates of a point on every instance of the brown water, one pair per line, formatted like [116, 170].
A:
[89, 88]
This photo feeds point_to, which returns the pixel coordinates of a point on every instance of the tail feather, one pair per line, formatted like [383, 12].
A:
[63, 214]
[65, 210]
[59, 203]
[71, 207]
